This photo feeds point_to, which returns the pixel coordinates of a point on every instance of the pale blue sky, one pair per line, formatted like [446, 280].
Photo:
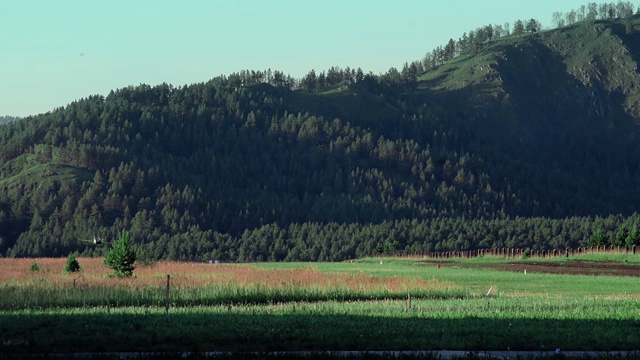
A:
[54, 52]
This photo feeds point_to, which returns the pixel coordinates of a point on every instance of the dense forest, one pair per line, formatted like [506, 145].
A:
[518, 138]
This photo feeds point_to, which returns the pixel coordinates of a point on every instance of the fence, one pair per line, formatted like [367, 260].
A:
[518, 253]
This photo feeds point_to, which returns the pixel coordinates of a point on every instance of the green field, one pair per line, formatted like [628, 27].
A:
[355, 306]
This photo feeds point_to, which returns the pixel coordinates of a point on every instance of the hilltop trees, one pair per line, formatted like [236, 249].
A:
[309, 82]
[518, 28]
[532, 26]
[594, 11]
[472, 42]
[8, 119]
[558, 20]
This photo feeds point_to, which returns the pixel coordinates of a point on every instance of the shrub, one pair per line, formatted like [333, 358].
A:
[72, 264]
[35, 267]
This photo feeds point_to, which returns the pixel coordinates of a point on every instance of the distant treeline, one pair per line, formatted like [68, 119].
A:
[470, 43]
[521, 253]
[8, 119]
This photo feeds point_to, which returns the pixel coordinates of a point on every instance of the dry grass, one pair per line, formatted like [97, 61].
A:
[185, 274]
[195, 284]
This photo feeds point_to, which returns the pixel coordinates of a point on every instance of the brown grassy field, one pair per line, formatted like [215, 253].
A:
[193, 275]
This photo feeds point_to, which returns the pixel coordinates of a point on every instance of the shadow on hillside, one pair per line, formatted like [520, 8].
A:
[199, 330]
[528, 117]
[630, 38]
[536, 115]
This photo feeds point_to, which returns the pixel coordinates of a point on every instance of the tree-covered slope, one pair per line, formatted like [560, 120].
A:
[531, 141]
[562, 104]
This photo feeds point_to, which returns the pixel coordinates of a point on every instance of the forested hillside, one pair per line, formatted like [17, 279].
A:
[528, 140]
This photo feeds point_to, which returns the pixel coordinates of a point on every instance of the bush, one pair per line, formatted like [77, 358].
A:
[35, 267]
[72, 264]
[526, 254]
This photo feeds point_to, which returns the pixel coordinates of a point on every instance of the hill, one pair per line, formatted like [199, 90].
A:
[531, 141]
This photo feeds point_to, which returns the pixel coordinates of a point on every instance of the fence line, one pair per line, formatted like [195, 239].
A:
[518, 253]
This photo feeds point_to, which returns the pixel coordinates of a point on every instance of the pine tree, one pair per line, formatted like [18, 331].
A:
[518, 28]
[597, 239]
[72, 264]
[122, 257]
[633, 237]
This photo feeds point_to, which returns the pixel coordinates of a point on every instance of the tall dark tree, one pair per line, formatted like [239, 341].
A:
[518, 27]
[592, 13]
[449, 50]
[309, 82]
[532, 26]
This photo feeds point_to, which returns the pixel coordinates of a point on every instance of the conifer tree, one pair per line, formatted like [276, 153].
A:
[72, 263]
[122, 257]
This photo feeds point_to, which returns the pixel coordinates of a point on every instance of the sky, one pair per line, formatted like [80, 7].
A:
[55, 52]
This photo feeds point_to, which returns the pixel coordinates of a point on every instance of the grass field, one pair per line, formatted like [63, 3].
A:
[321, 306]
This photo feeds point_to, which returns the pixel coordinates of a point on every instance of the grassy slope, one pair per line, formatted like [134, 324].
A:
[587, 55]
[38, 175]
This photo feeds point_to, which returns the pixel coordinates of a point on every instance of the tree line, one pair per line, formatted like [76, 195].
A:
[8, 119]
[469, 44]
[594, 11]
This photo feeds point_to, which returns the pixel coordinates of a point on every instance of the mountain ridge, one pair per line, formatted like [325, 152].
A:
[530, 142]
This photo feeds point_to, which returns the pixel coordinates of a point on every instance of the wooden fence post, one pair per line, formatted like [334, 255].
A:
[168, 291]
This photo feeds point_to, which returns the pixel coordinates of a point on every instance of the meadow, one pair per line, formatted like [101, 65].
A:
[370, 304]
